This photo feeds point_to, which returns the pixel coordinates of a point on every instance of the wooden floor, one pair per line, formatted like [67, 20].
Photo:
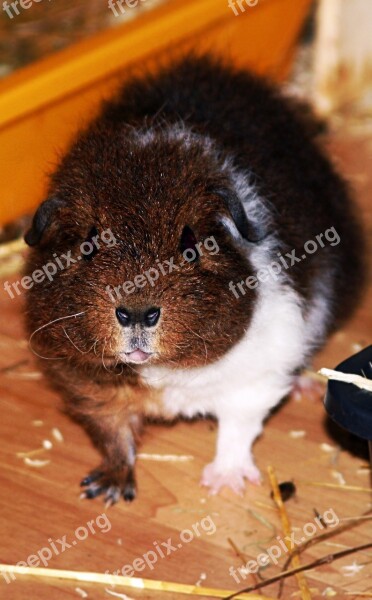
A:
[39, 505]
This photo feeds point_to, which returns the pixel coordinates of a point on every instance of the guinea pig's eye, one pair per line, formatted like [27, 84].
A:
[188, 245]
[89, 248]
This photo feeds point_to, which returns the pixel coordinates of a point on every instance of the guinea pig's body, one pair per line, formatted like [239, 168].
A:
[209, 172]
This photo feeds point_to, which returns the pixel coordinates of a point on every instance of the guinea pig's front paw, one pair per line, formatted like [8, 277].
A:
[112, 484]
[215, 478]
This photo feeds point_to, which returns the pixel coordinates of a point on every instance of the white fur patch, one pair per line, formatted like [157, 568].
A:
[241, 387]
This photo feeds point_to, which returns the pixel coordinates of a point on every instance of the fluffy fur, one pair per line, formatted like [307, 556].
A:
[219, 152]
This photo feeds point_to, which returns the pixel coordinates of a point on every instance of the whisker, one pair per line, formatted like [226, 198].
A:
[103, 356]
[95, 346]
[47, 325]
[203, 340]
[75, 346]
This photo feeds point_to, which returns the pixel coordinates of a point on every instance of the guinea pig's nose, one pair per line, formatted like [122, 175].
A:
[149, 317]
[152, 317]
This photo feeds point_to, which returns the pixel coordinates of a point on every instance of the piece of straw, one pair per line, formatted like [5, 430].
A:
[287, 530]
[361, 382]
[240, 555]
[129, 582]
[13, 247]
[336, 486]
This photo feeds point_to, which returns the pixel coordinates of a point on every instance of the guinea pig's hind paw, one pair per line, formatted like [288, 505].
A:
[112, 485]
[215, 478]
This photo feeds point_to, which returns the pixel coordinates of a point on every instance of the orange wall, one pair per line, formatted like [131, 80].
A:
[42, 106]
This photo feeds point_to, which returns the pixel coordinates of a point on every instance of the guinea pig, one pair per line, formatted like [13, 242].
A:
[199, 247]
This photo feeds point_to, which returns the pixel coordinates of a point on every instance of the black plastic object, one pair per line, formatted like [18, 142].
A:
[348, 405]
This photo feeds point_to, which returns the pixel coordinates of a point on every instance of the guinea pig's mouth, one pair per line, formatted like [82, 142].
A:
[137, 356]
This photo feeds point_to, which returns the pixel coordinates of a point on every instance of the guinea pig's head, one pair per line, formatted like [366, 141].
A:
[133, 253]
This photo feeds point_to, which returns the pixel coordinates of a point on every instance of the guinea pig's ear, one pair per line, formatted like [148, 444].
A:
[251, 231]
[42, 219]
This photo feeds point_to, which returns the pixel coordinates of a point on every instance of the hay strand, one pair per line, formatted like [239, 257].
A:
[128, 582]
[287, 530]
[361, 382]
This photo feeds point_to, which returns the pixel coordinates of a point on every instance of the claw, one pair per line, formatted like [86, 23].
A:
[130, 487]
[91, 478]
[111, 483]
[129, 494]
[113, 494]
[93, 492]
[109, 503]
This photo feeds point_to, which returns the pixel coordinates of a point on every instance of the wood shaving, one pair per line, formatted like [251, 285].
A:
[165, 457]
[329, 592]
[339, 477]
[356, 347]
[351, 570]
[361, 382]
[81, 592]
[57, 435]
[47, 444]
[327, 448]
[122, 596]
[202, 577]
[297, 434]
[34, 462]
